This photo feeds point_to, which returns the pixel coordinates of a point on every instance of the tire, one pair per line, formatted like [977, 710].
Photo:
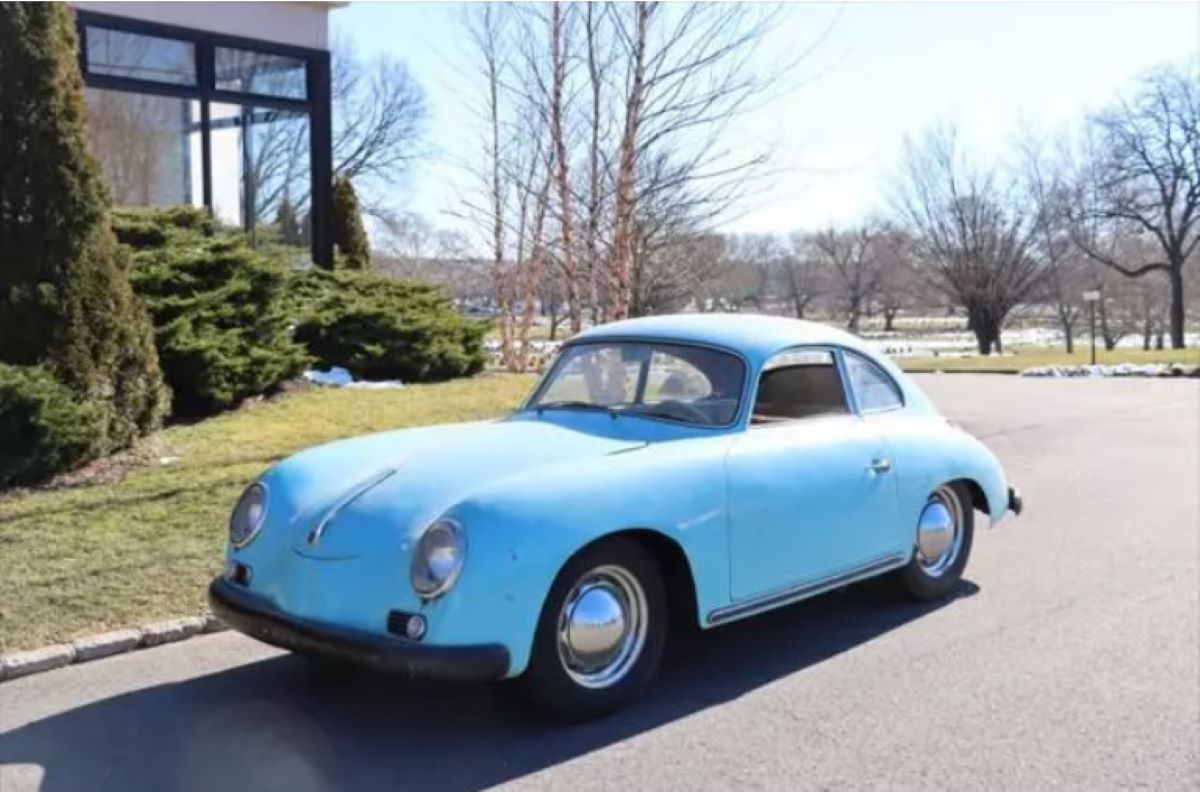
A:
[930, 576]
[561, 686]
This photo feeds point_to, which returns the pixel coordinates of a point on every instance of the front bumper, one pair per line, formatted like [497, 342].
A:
[251, 614]
[1015, 502]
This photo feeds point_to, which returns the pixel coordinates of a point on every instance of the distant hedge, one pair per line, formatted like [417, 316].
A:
[220, 318]
[383, 328]
[46, 429]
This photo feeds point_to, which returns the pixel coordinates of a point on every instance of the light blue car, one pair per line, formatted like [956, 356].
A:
[692, 469]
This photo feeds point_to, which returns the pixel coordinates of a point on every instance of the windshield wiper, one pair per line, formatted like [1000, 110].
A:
[568, 404]
[649, 411]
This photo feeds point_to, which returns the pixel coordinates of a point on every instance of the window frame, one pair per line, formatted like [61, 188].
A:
[316, 104]
[739, 415]
[888, 378]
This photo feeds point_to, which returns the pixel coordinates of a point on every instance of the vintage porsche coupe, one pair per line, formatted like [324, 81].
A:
[694, 468]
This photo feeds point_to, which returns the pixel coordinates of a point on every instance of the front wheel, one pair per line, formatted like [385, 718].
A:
[945, 531]
[600, 635]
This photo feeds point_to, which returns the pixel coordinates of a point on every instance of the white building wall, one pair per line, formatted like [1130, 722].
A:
[297, 23]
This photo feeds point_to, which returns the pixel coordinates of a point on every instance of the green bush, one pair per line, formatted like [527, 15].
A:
[65, 297]
[46, 430]
[382, 328]
[218, 307]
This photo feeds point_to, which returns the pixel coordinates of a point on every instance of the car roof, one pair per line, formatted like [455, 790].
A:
[754, 335]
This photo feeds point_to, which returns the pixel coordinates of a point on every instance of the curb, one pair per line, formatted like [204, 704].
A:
[962, 371]
[93, 647]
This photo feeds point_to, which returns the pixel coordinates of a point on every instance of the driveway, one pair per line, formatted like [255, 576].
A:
[1070, 659]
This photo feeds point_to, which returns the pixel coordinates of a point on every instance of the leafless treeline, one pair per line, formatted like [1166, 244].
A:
[1122, 202]
[603, 170]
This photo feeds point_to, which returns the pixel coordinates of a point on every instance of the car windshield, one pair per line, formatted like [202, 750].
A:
[675, 382]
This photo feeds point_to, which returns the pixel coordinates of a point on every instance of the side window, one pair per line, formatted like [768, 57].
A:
[799, 384]
[874, 390]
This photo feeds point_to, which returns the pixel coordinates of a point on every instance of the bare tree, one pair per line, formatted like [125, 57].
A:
[688, 72]
[805, 276]
[379, 119]
[620, 286]
[634, 143]
[760, 256]
[486, 30]
[1048, 188]
[896, 287]
[674, 271]
[853, 257]
[1143, 173]
[560, 43]
[599, 59]
[971, 231]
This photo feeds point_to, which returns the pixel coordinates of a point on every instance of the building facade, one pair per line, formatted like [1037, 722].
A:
[222, 105]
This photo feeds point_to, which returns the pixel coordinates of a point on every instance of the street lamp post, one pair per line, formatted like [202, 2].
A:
[1091, 297]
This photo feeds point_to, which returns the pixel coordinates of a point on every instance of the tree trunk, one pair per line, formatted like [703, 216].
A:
[594, 269]
[1069, 337]
[987, 333]
[625, 203]
[889, 320]
[1147, 332]
[1176, 277]
[559, 56]
[1109, 341]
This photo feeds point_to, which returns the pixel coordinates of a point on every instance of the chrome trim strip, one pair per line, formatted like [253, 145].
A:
[801, 591]
[316, 533]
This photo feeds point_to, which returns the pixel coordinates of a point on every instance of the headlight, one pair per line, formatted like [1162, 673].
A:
[248, 515]
[438, 558]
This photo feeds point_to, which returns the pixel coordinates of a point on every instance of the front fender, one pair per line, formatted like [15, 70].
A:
[523, 531]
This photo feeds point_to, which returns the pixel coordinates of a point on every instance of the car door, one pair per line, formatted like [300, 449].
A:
[809, 482]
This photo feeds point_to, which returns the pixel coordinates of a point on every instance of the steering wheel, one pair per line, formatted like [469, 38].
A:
[687, 407]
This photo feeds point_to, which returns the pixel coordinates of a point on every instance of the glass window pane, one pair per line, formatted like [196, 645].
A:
[121, 54]
[657, 381]
[874, 390]
[799, 384]
[148, 147]
[262, 179]
[259, 73]
[674, 379]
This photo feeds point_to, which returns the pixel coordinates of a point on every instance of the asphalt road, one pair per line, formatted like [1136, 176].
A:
[1070, 660]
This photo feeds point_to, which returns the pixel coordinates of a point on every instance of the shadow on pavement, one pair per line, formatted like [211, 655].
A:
[281, 724]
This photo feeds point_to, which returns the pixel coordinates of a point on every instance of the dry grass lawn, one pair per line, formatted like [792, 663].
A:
[144, 546]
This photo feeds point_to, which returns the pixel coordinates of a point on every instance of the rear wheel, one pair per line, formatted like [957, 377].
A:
[600, 635]
[944, 534]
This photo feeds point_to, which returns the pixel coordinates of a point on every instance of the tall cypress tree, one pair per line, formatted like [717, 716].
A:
[65, 298]
[348, 233]
[288, 223]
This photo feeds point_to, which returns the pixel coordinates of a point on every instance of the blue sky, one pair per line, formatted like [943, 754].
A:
[883, 70]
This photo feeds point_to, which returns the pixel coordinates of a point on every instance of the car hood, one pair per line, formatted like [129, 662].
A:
[378, 491]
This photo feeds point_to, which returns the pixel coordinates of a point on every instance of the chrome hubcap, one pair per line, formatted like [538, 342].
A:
[602, 627]
[939, 532]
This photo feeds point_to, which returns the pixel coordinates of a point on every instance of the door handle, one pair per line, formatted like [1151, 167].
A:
[880, 465]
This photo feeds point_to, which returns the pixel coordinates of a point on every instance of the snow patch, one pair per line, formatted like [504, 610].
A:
[338, 377]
